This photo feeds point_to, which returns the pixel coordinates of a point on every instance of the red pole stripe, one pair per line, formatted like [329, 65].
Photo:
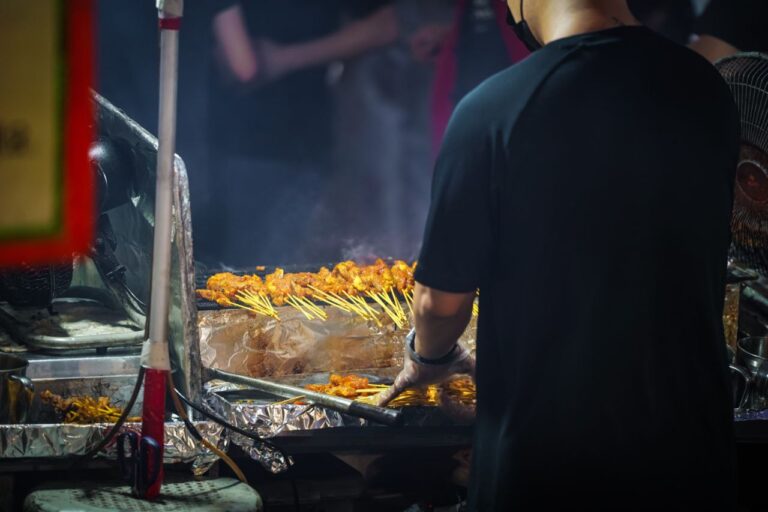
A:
[170, 23]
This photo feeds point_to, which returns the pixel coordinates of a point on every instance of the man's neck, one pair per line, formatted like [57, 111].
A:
[557, 20]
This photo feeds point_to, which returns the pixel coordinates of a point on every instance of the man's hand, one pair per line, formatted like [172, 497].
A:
[417, 374]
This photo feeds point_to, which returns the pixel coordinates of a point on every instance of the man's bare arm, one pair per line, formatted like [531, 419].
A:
[440, 318]
[234, 44]
[378, 29]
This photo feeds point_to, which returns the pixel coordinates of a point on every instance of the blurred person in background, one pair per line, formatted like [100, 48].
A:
[383, 153]
[270, 119]
[393, 107]
[474, 47]
[730, 26]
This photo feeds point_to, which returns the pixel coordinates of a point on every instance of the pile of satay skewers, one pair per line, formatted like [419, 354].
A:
[85, 409]
[460, 390]
[348, 287]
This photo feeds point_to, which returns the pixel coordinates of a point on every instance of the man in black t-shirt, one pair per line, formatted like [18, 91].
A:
[586, 192]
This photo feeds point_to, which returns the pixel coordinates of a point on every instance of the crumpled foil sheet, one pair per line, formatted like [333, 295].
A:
[62, 440]
[269, 420]
[257, 346]
[270, 458]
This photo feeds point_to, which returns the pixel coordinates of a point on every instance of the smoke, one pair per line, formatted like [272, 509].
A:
[360, 252]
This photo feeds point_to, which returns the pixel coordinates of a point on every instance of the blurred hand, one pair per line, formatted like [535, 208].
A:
[415, 374]
[427, 42]
[273, 58]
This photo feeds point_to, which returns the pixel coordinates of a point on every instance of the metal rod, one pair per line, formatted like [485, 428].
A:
[345, 405]
[155, 356]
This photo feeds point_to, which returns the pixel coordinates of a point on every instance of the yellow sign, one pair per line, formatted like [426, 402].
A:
[31, 117]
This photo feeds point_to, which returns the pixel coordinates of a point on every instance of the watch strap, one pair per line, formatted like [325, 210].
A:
[410, 342]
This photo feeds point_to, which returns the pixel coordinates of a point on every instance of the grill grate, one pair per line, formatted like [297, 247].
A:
[747, 76]
[34, 286]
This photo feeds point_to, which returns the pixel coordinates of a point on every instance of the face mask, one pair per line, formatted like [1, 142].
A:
[523, 31]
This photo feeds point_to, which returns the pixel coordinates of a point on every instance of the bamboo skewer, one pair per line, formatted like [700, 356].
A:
[395, 306]
[368, 311]
[288, 400]
[254, 306]
[313, 308]
[329, 299]
[399, 306]
[297, 305]
[267, 304]
[408, 301]
[259, 303]
[350, 302]
[395, 318]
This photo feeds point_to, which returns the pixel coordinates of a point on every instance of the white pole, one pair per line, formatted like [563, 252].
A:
[155, 352]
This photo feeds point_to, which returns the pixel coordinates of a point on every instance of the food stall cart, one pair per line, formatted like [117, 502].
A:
[80, 327]
[82, 338]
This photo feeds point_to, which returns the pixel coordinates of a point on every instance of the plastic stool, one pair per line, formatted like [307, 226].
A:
[219, 495]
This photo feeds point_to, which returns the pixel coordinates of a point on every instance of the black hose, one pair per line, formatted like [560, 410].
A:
[224, 423]
[118, 424]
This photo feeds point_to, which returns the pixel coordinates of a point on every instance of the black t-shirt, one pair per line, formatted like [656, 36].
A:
[289, 119]
[741, 23]
[586, 192]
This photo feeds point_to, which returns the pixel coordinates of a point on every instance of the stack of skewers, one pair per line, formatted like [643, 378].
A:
[460, 390]
[349, 287]
[85, 409]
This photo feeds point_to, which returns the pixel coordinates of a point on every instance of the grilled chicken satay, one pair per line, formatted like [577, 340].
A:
[402, 273]
[224, 287]
[346, 278]
[343, 386]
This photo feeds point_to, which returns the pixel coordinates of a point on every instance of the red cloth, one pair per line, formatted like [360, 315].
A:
[446, 68]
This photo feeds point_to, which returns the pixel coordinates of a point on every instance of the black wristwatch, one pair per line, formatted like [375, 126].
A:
[410, 342]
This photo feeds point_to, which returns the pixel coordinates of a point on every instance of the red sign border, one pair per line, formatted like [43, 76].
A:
[78, 207]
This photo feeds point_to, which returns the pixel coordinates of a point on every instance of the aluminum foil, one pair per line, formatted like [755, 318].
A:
[68, 440]
[270, 458]
[254, 345]
[267, 419]
[133, 230]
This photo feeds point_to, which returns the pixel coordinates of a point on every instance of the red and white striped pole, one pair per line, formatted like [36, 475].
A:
[155, 356]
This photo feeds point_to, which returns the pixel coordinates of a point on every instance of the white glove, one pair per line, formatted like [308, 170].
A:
[419, 372]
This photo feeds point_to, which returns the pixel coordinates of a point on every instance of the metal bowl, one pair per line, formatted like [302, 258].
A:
[752, 352]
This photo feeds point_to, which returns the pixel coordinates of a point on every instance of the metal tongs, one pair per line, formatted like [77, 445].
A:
[344, 405]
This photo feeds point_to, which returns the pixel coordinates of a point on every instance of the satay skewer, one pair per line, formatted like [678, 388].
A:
[328, 299]
[385, 308]
[398, 306]
[368, 310]
[297, 305]
[256, 304]
[312, 307]
[248, 305]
